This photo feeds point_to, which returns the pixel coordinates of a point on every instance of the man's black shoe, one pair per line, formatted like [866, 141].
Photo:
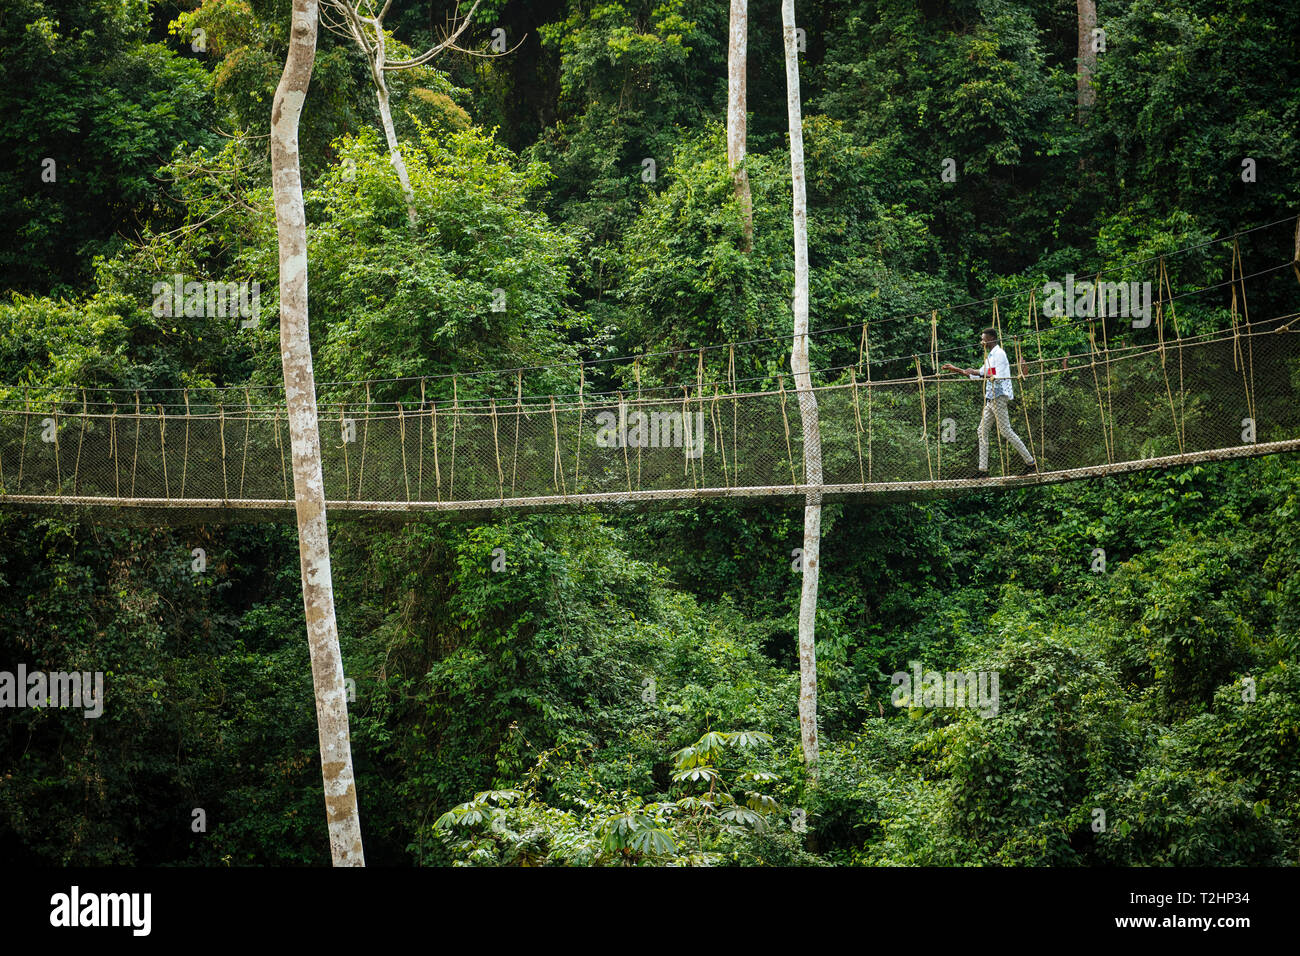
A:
[1031, 468]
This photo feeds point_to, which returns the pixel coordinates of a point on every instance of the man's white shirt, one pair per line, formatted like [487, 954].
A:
[997, 369]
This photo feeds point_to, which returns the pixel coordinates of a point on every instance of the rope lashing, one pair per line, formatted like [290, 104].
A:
[455, 427]
[419, 470]
[496, 447]
[365, 444]
[248, 421]
[401, 437]
[135, 455]
[938, 389]
[785, 419]
[925, 427]
[558, 473]
[162, 447]
[76, 468]
[577, 435]
[519, 412]
[185, 458]
[343, 437]
[627, 464]
[857, 420]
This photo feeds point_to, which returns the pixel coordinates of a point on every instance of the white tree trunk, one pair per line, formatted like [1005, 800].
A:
[1087, 17]
[736, 62]
[385, 114]
[308, 484]
[812, 444]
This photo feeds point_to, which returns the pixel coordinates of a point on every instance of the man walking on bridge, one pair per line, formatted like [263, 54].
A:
[997, 393]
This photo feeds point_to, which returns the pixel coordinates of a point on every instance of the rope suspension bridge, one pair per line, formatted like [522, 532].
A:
[1088, 402]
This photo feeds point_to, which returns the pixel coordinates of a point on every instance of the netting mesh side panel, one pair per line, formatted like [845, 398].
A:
[1076, 413]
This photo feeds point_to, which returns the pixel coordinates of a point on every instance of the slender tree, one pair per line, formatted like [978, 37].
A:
[359, 21]
[736, 128]
[812, 442]
[1087, 22]
[308, 483]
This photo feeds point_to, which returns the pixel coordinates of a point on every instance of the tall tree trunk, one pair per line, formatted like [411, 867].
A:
[308, 484]
[1087, 11]
[812, 442]
[736, 61]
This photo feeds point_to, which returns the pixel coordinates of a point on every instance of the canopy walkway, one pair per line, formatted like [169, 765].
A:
[1161, 401]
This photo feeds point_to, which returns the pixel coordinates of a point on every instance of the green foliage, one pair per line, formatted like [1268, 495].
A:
[599, 827]
[106, 108]
[1159, 696]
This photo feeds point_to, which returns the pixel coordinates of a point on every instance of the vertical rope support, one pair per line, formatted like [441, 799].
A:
[1161, 276]
[864, 361]
[1248, 361]
[688, 466]
[735, 411]
[58, 467]
[519, 412]
[636, 370]
[699, 417]
[433, 428]
[869, 433]
[135, 455]
[279, 453]
[248, 420]
[577, 432]
[162, 448]
[496, 445]
[401, 436]
[938, 390]
[627, 462]
[1096, 381]
[1182, 389]
[365, 443]
[455, 428]
[76, 468]
[185, 453]
[557, 473]
[221, 420]
[785, 419]
[419, 475]
[1042, 385]
[857, 422]
[719, 439]
[1024, 407]
[112, 451]
[343, 436]
[925, 426]
[1110, 390]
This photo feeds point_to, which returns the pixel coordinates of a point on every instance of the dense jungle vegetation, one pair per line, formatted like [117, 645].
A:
[581, 706]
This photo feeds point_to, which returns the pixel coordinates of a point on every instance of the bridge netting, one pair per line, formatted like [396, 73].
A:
[1226, 393]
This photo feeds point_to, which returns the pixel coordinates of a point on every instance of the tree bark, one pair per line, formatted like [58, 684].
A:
[812, 445]
[386, 115]
[308, 483]
[1087, 21]
[736, 121]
